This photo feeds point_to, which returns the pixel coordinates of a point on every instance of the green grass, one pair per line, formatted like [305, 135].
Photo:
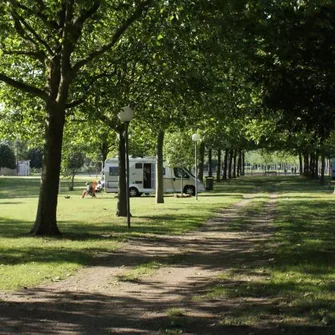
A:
[289, 279]
[89, 227]
[135, 274]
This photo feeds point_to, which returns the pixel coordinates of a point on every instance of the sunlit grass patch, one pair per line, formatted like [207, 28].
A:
[171, 331]
[177, 320]
[135, 274]
[175, 312]
[28, 261]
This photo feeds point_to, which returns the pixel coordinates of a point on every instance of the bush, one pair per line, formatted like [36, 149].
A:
[7, 157]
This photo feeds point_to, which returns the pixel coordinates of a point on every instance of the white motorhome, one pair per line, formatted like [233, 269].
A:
[142, 177]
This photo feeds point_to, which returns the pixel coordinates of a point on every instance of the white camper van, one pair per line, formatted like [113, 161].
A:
[142, 177]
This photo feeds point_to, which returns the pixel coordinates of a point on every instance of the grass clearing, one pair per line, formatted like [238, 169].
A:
[89, 227]
[287, 280]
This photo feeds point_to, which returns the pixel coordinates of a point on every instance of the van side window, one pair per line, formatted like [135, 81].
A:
[138, 166]
[113, 170]
[178, 172]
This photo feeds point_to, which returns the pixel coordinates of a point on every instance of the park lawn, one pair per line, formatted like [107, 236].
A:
[89, 227]
[291, 284]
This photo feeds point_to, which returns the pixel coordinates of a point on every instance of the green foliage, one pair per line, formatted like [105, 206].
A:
[7, 157]
[35, 155]
[75, 160]
[179, 149]
[292, 54]
[260, 157]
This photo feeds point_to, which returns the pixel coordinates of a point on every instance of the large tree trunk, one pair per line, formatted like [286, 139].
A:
[311, 165]
[234, 163]
[230, 163]
[218, 169]
[104, 149]
[323, 167]
[121, 197]
[159, 169]
[46, 217]
[306, 165]
[239, 164]
[201, 161]
[225, 164]
[316, 167]
[210, 163]
[300, 164]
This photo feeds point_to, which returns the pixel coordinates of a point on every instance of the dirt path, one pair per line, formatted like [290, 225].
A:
[96, 301]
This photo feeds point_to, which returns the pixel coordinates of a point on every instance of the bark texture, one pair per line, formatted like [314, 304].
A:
[46, 223]
[121, 197]
[159, 169]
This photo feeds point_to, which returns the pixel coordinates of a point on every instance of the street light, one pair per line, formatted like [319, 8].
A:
[195, 139]
[125, 116]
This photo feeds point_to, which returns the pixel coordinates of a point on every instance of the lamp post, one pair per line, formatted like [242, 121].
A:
[125, 116]
[195, 139]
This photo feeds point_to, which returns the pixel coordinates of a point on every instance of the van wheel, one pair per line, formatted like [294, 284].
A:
[133, 192]
[189, 189]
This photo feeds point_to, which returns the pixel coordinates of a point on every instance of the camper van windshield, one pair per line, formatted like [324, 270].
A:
[113, 171]
[189, 172]
[180, 173]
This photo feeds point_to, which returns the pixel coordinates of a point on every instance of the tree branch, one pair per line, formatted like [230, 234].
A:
[115, 38]
[24, 87]
[21, 21]
[76, 103]
[52, 24]
[39, 55]
[85, 15]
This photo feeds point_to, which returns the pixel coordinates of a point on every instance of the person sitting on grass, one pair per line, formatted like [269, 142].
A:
[98, 188]
[93, 189]
[87, 190]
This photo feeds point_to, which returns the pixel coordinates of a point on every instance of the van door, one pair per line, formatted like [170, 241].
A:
[111, 178]
[147, 175]
[136, 175]
[168, 180]
[181, 178]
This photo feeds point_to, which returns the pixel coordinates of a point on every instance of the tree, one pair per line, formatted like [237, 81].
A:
[73, 161]
[291, 52]
[35, 155]
[7, 157]
[53, 51]
[178, 151]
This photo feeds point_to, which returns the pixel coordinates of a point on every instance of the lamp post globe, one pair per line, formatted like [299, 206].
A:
[126, 114]
[196, 137]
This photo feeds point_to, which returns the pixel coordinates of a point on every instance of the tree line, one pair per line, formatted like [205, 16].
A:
[245, 74]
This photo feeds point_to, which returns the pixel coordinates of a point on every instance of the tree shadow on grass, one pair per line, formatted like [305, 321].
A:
[249, 303]
[14, 228]
[245, 308]
[142, 225]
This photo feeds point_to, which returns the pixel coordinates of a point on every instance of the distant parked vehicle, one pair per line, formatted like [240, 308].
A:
[142, 177]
